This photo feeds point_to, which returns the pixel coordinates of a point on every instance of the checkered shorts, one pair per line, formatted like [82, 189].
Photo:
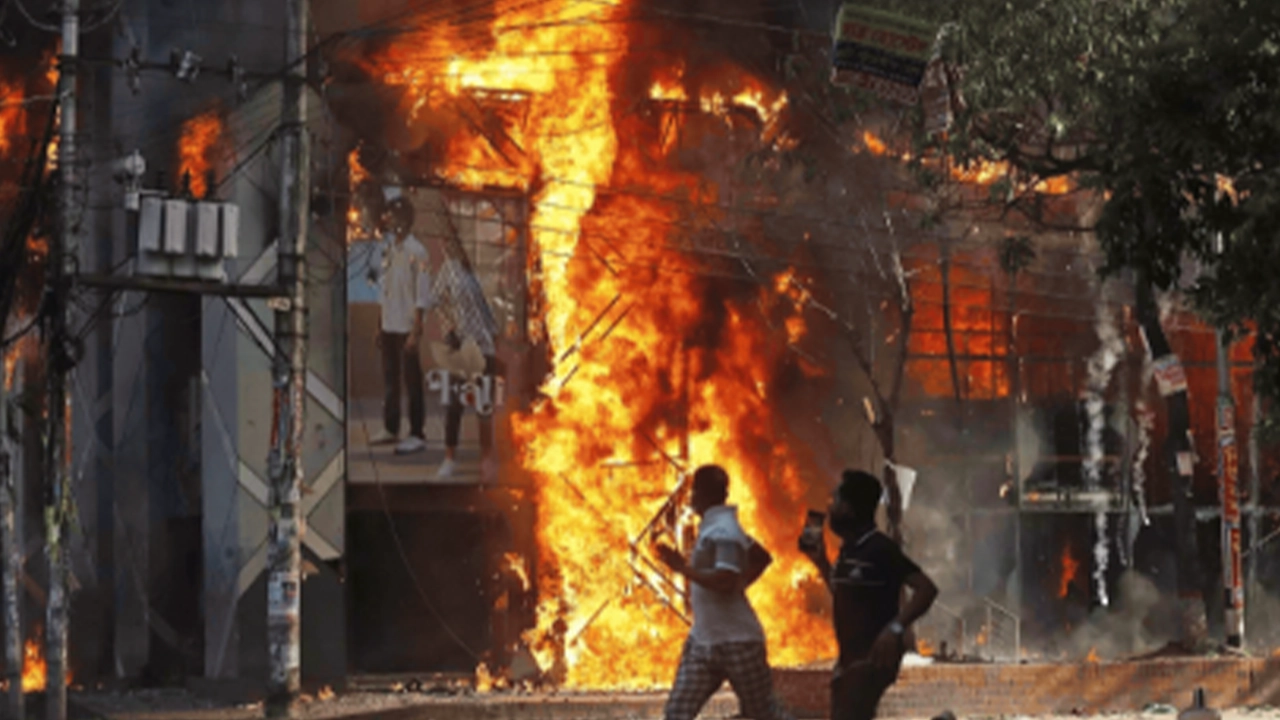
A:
[704, 668]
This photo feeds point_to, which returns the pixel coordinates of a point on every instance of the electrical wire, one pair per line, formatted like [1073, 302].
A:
[676, 250]
[22, 8]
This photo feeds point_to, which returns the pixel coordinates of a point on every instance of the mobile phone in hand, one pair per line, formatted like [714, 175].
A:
[811, 536]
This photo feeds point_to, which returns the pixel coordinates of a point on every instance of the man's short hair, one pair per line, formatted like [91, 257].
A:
[712, 483]
[861, 489]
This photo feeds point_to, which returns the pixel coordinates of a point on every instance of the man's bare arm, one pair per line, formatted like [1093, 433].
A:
[923, 593]
[720, 579]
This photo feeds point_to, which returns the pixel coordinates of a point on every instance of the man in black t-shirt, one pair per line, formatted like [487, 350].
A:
[866, 582]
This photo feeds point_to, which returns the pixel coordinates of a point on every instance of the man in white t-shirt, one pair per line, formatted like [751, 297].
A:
[404, 262]
[726, 641]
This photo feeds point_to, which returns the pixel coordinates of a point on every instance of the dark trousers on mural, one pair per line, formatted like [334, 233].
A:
[401, 370]
[453, 413]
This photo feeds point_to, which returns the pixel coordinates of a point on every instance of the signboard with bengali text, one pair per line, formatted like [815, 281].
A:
[881, 52]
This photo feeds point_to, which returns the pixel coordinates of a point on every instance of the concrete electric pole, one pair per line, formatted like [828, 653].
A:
[1228, 485]
[9, 511]
[61, 358]
[284, 563]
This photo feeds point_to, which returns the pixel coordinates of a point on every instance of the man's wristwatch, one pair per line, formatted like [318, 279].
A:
[896, 628]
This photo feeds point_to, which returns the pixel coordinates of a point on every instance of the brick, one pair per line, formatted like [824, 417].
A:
[1052, 689]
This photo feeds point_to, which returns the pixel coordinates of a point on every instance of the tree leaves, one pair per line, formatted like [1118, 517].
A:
[1168, 98]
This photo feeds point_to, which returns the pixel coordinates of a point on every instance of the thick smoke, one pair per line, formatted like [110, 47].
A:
[1100, 368]
[1139, 626]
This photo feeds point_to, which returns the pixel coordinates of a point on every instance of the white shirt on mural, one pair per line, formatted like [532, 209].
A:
[404, 265]
[722, 617]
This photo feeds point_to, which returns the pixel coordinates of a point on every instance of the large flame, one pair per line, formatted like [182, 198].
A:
[665, 371]
[200, 135]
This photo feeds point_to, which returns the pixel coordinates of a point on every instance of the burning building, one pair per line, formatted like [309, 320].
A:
[677, 260]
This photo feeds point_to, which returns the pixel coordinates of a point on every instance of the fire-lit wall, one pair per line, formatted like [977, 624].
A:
[1020, 352]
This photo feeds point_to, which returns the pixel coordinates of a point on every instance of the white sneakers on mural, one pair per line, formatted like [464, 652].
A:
[446, 470]
[382, 437]
[410, 445]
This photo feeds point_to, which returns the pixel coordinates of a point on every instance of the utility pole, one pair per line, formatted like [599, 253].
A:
[284, 562]
[60, 363]
[1255, 495]
[12, 553]
[1228, 479]
[1228, 485]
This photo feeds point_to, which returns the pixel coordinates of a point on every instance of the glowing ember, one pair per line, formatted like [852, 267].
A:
[923, 648]
[13, 118]
[665, 90]
[358, 172]
[200, 135]
[50, 64]
[34, 670]
[10, 366]
[755, 98]
[655, 383]
[1070, 568]
[874, 144]
[484, 679]
[51, 151]
[516, 566]
[977, 172]
[1092, 657]
[37, 246]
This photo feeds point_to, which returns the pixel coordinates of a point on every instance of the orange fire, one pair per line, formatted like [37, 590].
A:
[516, 566]
[356, 174]
[10, 365]
[1092, 657]
[923, 648]
[604, 448]
[978, 172]
[200, 135]
[1070, 567]
[979, 331]
[34, 670]
[37, 246]
[13, 117]
[484, 679]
